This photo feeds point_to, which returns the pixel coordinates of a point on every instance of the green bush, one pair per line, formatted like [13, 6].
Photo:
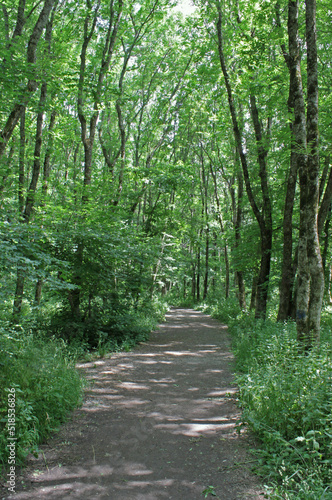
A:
[47, 387]
[106, 328]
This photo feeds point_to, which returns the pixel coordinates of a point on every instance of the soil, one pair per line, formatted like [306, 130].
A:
[157, 423]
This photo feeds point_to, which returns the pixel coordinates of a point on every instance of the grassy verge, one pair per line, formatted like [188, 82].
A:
[286, 398]
[39, 386]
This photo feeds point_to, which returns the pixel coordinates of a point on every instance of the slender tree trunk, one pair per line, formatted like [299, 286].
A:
[46, 173]
[266, 226]
[253, 297]
[237, 226]
[227, 273]
[48, 154]
[264, 219]
[21, 164]
[206, 276]
[221, 224]
[30, 199]
[198, 276]
[193, 282]
[326, 238]
[287, 275]
[38, 291]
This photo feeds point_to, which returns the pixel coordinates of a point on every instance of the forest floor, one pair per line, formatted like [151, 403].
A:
[157, 423]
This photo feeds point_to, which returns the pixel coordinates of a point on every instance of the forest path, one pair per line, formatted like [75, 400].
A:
[157, 423]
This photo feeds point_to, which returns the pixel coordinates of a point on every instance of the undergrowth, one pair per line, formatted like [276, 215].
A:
[46, 385]
[286, 398]
[104, 329]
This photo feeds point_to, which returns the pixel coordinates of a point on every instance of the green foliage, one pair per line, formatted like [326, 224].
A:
[157, 213]
[46, 384]
[225, 310]
[106, 329]
[287, 401]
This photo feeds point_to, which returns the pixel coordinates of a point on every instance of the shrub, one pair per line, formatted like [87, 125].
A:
[106, 328]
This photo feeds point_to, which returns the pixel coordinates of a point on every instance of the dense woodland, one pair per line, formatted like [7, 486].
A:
[150, 157]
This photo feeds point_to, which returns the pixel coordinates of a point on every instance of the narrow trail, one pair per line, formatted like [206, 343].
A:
[158, 423]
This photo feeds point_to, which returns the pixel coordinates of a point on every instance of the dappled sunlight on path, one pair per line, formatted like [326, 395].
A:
[157, 423]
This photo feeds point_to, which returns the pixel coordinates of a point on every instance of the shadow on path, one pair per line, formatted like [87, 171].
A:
[157, 423]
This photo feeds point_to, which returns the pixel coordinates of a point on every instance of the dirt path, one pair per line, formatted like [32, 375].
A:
[158, 423]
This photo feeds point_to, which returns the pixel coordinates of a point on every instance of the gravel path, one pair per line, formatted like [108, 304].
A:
[157, 423]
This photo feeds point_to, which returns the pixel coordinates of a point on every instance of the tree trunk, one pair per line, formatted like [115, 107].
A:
[287, 277]
[38, 291]
[264, 219]
[326, 238]
[237, 227]
[47, 167]
[206, 276]
[198, 276]
[253, 297]
[313, 248]
[221, 224]
[30, 200]
[193, 282]
[227, 274]
[287, 274]
[21, 162]
[266, 226]
[310, 269]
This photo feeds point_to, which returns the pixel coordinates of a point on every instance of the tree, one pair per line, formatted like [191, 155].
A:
[310, 269]
[264, 216]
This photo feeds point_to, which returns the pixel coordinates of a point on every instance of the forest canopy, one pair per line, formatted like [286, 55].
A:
[144, 151]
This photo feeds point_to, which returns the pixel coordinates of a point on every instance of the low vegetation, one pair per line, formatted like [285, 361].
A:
[286, 398]
[46, 386]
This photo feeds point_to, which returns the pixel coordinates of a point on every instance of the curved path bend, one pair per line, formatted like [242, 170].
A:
[157, 423]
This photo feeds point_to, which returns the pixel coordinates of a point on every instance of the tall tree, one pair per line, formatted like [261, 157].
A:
[310, 294]
[264, 216]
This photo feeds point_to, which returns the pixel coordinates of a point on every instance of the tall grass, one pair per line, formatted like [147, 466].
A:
[46, 385]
